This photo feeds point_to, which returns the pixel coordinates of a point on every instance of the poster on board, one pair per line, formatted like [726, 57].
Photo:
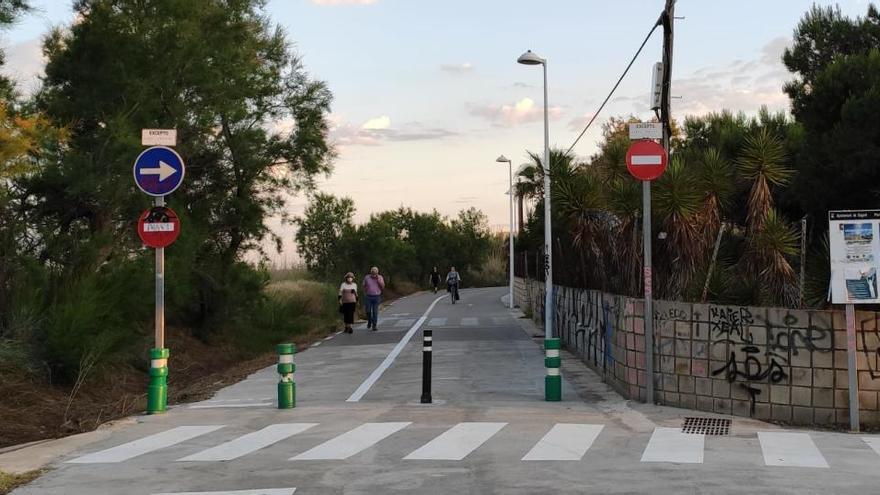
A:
[855, 256]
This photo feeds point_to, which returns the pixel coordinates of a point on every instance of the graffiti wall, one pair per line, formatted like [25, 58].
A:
[767, 363]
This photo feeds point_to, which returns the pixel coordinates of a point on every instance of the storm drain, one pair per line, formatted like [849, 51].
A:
[706, 426]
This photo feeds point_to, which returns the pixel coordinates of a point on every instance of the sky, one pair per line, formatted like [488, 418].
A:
[427, 93]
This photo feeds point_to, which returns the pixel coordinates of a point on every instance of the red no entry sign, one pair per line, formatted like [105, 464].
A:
[646, 160]
[158, 227]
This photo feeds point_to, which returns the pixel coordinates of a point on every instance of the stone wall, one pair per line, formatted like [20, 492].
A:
[767, 363]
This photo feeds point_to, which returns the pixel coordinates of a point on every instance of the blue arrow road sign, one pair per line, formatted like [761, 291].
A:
[158, 171]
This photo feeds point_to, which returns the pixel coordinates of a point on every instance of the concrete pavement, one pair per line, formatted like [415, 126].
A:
[489, 432]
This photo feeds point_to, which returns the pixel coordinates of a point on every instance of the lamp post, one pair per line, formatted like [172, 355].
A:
[553, 381]
[503, 159]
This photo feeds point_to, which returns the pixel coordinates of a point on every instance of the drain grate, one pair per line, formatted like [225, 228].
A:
[706, 426]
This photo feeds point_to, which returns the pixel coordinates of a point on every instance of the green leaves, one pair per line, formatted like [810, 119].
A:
[763, 158]
[403, 243]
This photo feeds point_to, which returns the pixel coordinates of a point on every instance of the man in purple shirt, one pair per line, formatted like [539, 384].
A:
[373, 286]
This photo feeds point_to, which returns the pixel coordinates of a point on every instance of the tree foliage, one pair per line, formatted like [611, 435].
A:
[252, 129]
[403, 243]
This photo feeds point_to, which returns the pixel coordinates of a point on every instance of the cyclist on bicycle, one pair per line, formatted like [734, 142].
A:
[453, 281]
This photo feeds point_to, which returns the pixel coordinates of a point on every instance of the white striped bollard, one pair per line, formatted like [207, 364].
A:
[552, 361]
[427, 348]
[286, 386]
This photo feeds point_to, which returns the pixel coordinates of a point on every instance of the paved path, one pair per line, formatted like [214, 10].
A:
[489, 432]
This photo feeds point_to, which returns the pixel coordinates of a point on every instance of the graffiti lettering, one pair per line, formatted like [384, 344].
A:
[731, 322]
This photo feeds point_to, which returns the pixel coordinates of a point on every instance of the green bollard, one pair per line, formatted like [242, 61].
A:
[552, 361]
[286, 387]
[157, 392]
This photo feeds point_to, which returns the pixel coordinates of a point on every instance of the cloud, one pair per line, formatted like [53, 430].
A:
[377, 123]
[343, 2]
[522, 112]
[457, 68]
[741, 85]
[378, 130]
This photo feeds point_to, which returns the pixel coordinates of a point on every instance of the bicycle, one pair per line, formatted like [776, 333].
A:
[453, 292]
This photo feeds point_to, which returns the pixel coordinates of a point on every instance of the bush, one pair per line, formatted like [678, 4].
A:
[95, 315]
[287, 309]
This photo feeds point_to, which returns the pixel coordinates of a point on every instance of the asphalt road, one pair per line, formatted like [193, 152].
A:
[359, 428]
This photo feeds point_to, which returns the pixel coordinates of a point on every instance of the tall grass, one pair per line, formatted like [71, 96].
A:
[292, 307]
[493, 271]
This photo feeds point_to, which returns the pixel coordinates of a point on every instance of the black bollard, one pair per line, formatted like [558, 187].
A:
[427, 341]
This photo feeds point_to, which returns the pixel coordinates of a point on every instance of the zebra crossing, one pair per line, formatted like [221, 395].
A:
[560, 442]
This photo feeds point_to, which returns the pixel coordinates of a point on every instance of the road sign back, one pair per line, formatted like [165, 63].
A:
[158, 227]
[646, 160]
[158, 171]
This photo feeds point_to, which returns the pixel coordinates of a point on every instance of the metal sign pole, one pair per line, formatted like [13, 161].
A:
[157, 392]
[160, 289]
[851, 365]
[649, 309]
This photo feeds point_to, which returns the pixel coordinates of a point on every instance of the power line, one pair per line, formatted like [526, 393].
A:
[658, 23]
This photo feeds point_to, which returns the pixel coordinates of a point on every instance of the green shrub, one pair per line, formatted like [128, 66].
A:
[288, 308]
[98, 314]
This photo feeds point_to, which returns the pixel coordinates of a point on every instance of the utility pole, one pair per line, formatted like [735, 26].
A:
[668, 19]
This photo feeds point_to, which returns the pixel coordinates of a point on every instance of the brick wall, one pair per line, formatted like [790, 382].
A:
[767, 363]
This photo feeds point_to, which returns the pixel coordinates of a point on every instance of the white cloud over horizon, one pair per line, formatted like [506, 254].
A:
[523, 111]
[457, 68]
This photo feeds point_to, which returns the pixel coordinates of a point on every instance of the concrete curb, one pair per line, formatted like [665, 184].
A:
[20, 459]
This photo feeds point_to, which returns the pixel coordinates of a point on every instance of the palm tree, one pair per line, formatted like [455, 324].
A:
[768, 237]
[762, 162]
[678, 201]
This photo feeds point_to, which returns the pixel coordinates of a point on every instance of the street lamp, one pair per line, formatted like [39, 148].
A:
[553, 381]
[503, 159]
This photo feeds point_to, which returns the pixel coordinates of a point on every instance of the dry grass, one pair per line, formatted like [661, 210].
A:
[9, 482]
[307, 293]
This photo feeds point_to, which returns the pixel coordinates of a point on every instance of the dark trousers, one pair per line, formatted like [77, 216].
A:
[348, 312]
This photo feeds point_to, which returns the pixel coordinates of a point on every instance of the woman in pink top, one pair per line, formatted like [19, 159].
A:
[348, 297]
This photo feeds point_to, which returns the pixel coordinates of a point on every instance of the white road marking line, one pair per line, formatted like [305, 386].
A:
[221, 406]
[437, 322]
[405, 322]
[249, 443]
[145, 445]
[316, 344]
[671, 445]
[469, 321]
[499, 320]
[351, 442]
[790, 449]
[873, 442]
[264, 491]
[564, 442]
[377, 373]
[457, 442]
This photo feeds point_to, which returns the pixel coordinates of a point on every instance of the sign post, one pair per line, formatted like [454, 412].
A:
[158, 171]
[855, 260]
[646, 161]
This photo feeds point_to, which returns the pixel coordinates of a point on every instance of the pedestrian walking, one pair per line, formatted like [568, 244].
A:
[435, 279]
[373, 284]
[453, 282]
[348, 297]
